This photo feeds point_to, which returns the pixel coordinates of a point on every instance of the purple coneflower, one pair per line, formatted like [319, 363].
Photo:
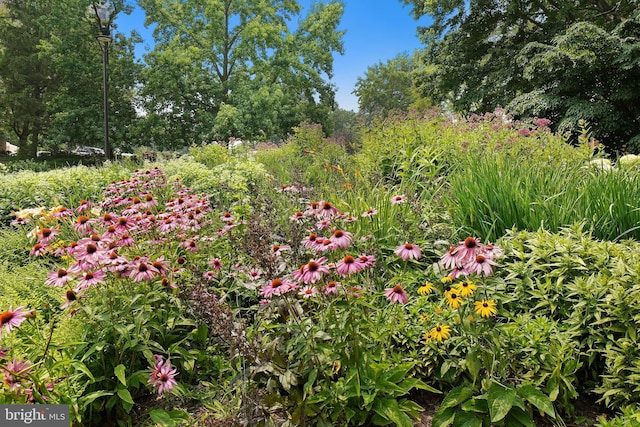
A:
[396, 200]
[11, 319]
[396, 294]
[163, 376]
[275, 287]
[449, 259]
[342, 239]
[216, 263]
[408, 251]
[370, 213]
[332, 288]
[482, 265]
[91, 278]
[58, 278]
[349, 265]
[314, 269]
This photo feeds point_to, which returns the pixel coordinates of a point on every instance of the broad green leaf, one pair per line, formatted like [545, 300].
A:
[124, 394]
[389, 409]
[456, 396]
[120, 374]
[537, 399]
[500, 400]
[467, 419]
[444, 417]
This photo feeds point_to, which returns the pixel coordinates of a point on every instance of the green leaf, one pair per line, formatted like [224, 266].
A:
[119, 372]
[456, 396]
[472, 362]
[444, 417]
[537, 399]
[519, 416]
[93, 396]
[124, 394]
[390, 410]
[500, 401]
[467, 419]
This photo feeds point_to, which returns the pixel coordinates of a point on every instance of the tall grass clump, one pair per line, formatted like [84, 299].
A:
[491, 195]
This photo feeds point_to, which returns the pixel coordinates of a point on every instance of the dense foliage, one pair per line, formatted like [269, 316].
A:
[565, 61]
[303, 285]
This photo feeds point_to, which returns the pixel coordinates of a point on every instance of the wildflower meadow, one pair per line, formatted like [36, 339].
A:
[439, 272]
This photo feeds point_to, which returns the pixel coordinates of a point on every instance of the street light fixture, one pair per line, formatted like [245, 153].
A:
[103, 14]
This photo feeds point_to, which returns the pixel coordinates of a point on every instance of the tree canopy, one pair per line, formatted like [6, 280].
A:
[387, 87]
[225, 67]
[564, 60]
[51, 76]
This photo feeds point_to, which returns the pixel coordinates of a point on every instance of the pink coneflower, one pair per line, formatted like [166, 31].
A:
[110, 233]
[459, 270]
[370, 213]
[45, 235]
[84, 205]
[161, 266]
[323, 224]
[108, 219]
[367, 260]
[326, 210]
[254, 274]
[481, 265]
[216, 264]
[314, 269]
[163, 376]
[278, 249]
[449, 259]
[209, 275]
[275, 287]
[58, 278]
[349, 219]
[326, 245]
[16, 372]
[396, 294]
[310, 241]
[20, 221]
[332, 288]
[91, 278]
[491, 251]
[11, 319]
[342, 239]
[308, 292]
[125, 223]
[88, 252]
[227, 217]
[396, 200]
[296, 216]
[467, 250]
[142, 270]
[83, 225]
[38, 250]
[167, 225]
[408, 251]
[70, 298]
[125, 240]
[349, 265]
[149, 201]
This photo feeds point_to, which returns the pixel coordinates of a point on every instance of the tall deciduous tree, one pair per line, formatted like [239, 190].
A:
[229, 65]
[51, 76]
[480, 55]
[388, 87]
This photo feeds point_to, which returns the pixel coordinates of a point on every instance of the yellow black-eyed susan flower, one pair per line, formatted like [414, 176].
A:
[454, 300]
[440, 332]
[486, 308]
[426, 289]
[466, 288]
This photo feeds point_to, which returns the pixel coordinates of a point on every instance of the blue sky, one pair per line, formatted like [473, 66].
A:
[376, 31]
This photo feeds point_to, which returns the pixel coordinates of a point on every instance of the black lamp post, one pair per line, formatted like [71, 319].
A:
[103, 14]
